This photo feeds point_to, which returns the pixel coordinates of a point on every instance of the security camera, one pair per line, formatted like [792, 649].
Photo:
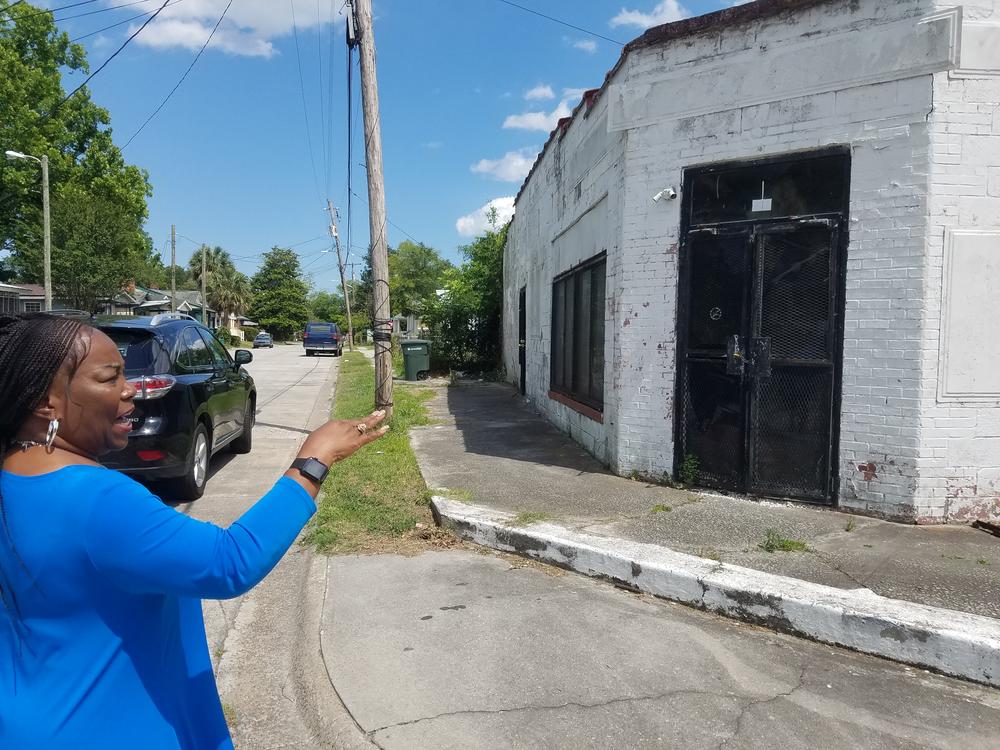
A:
[668, 193]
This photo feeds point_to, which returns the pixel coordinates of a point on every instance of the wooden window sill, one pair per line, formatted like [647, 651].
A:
[587, 411]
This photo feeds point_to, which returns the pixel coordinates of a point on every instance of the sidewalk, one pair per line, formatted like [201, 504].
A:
[493, 458]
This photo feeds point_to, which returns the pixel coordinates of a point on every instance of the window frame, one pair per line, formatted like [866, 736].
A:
[223, 360]
[182, 347]
[563, 377]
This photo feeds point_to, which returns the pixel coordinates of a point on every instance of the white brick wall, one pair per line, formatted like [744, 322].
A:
[959, 462]
[917, 144]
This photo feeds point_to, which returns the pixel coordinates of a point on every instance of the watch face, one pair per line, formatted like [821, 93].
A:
[314, 469]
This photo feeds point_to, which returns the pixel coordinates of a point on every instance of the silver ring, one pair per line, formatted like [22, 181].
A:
[362, 427]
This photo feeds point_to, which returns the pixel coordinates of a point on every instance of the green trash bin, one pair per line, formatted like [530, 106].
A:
[416, 358]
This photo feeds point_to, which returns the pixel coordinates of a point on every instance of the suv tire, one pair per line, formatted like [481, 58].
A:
[244, 443]
[191, 486]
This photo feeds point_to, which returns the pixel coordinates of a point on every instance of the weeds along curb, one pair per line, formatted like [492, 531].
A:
[953, 643]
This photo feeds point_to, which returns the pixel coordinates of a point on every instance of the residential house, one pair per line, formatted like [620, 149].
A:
[767, 250]
[10, 299]
[33, 300]
[153, 301]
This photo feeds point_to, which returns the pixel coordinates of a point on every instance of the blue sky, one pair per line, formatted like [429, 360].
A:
[469, 90]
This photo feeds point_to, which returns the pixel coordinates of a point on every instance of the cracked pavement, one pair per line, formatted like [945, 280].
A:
[463, 650]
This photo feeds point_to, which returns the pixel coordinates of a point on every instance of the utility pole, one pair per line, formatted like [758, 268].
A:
[173, 268]
[47, 228]
[204, 291]
[343, 282]
[43, 162]
[362, 34]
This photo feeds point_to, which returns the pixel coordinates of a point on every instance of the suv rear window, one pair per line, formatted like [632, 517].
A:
[320, 328]
[142, 353]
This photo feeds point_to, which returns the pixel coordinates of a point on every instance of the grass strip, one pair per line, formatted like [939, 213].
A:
[374, 499]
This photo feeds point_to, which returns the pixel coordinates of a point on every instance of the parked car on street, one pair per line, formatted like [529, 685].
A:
[322, 337]
[193, 400]
[263, 339]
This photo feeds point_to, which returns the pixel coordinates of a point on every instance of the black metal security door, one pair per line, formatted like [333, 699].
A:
[760, 340]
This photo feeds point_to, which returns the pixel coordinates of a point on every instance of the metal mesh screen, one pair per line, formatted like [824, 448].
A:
[795, 293]
[790, 424]
[713, 424]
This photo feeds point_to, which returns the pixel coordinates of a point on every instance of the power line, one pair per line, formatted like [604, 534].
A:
[122, 23]
[322, 104]
[305, 109]
[563, 23]
[16, 3]
[329, 107]
[185, 75]
[101, 10]
[45, 10]
[114, 55]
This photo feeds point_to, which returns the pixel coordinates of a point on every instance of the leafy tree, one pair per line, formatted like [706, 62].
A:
[415, 273]
[86, 169]
[95, 256]
[465, 323]
[279, 294]
[327, 307]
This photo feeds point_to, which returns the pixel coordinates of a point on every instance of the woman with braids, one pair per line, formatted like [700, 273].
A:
[102, 642]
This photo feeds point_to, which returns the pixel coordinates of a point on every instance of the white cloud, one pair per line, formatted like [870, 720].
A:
[478, 221]
[541, 91]
[545, 121]
[511, 167]
[433, 145]
[664, 12]
[249, 27]
[587, 45]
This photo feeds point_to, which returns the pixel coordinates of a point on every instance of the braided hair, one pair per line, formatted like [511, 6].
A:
[33, 348]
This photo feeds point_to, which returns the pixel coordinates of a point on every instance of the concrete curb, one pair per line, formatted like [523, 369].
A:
[954, 643]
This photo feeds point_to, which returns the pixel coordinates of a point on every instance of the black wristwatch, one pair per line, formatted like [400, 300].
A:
[311, 468]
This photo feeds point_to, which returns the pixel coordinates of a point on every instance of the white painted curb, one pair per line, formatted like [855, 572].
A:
[954, 643]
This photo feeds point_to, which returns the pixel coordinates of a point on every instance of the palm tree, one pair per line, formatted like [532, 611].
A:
[229, 292]
[216, 259]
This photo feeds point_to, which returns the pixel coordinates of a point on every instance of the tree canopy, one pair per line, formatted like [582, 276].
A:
[91, 185]
[416, 272]
[466, 321]
[279, 294]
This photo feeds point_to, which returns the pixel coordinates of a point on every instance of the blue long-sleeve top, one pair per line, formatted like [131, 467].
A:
[102, 641]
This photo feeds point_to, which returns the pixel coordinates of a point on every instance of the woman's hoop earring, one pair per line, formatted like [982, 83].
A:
[50, 436]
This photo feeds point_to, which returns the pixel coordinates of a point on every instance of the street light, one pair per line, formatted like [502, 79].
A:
[44, 161]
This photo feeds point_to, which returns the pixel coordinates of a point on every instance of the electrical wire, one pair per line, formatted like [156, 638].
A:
[101, 10]
[350, 136]
[305, 109]
[16, 3]
[185, 75]
[45, 10]
[562, 23]
[113, 56]
[329, 107]
[322, 103]
[122, 23]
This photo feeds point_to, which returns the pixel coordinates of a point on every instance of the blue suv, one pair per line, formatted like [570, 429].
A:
[192, 401]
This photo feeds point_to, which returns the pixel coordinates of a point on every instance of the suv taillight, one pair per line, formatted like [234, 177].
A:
[152, 386]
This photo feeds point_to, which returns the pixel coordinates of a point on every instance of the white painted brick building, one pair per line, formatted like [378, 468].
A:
[833, 335]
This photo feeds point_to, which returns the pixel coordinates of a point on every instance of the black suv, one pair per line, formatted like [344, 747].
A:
[192, 401]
